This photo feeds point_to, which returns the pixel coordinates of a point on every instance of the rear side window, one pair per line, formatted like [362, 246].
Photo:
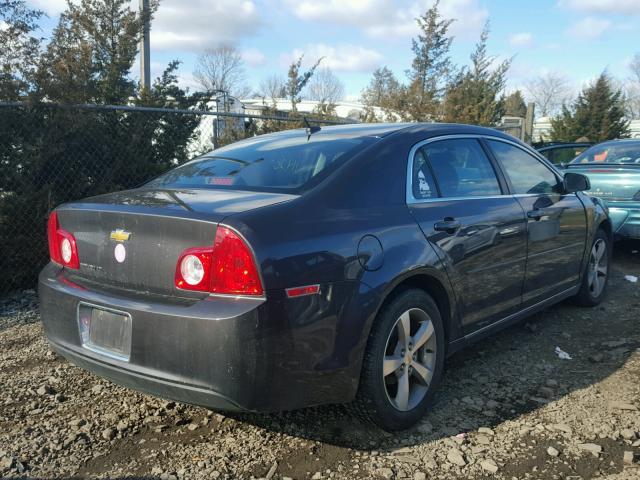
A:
[281, 162]
[453, 168]
[526, 172]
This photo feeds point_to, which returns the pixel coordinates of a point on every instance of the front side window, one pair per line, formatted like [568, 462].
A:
[526, 172]
[453, 168]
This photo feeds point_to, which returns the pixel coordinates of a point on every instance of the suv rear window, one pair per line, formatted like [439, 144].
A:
[278, 162]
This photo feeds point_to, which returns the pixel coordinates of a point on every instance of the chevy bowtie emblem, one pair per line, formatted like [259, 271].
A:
[120, 235]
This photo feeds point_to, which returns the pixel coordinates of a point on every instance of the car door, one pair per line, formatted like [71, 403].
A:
[556, 222]
[459, 199]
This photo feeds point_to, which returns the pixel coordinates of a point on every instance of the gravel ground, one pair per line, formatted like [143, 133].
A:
[509, 408]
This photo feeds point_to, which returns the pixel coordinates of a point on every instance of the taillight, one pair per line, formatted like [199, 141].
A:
[62, 244]
[227, 268]
[193, 271]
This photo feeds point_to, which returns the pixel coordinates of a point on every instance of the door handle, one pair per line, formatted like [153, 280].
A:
[449, 225]
[535, 214]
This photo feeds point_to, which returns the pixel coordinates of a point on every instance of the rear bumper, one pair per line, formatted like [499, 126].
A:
[625, 218]
[137, 380]
[224, 353]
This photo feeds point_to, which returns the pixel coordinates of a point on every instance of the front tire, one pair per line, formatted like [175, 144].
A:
[596, 274]
[403, 362]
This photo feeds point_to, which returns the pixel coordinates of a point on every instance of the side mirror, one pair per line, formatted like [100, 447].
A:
[575, 182]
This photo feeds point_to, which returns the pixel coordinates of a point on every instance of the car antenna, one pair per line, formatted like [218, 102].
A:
[311, 129]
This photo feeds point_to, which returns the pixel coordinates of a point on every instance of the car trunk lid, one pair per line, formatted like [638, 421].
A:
[150, 229]
[611, 182]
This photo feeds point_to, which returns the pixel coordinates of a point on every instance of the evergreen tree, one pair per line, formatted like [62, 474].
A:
[431, 66]
[50, 154]
[384, 91]
[514, 105]
[91, 53]
[597, 113]
[475, 96]
[296, 81]
[20, 48]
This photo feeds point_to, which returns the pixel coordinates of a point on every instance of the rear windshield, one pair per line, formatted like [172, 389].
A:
[277, 163]
[626, 153]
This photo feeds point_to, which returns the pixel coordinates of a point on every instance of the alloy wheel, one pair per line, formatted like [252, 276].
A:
[598, 267]
[410, 359]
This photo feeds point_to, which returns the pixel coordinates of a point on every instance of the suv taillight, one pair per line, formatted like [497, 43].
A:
[228, 267]
[62, 244]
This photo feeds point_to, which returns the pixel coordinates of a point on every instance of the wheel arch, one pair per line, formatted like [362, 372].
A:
[433, 284]
[606, 225]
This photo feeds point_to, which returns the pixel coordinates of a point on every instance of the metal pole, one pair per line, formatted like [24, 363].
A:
[216, 125]
[145, 69]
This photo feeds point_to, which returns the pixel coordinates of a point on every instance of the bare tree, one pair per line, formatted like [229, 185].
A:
[325, 87]
[549, 92]
[634, 67]
[221, 68]
[632, 89]
[273, 87]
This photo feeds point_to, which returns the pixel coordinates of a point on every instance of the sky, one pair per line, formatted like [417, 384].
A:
[577, 38]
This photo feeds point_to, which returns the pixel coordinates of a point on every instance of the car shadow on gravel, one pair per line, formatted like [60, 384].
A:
[505, 376]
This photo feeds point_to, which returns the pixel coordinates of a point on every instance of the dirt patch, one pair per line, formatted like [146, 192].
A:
[508, 407]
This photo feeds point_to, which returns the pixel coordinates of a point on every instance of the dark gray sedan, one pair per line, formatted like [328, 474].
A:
[312, 267]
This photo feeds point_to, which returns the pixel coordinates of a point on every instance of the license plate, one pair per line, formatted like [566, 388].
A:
[105, 331]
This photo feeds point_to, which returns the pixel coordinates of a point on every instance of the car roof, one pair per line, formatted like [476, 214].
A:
[618, 141]
[384, 129]
[441, 129]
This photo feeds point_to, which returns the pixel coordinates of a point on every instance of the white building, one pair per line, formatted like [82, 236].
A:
[541, 129]
[350, 110]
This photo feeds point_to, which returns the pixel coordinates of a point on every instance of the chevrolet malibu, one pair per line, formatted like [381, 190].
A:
[307, 267]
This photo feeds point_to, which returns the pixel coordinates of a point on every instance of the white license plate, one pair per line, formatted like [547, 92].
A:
[105, 331]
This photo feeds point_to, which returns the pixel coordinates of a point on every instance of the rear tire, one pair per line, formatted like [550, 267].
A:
[596, 274]
[403, 362]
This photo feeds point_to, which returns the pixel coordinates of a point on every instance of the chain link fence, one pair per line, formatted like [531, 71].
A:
[51, 154]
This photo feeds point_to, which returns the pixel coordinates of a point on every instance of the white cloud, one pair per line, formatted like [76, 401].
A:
[589, 28]
[470, 17]
[341, 58]
[50, 7]
[522, 39]
[253, 57]
[622, 7]
[200, 24]
[391, 18]
[332, 10]
[192, 25]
